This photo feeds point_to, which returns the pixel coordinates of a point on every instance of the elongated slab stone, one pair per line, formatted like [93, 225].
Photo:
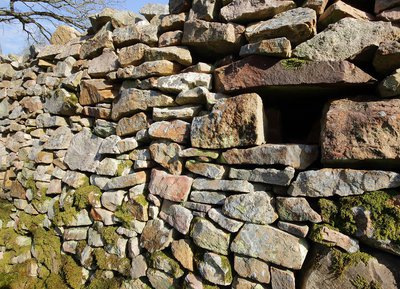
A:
[267, 176]
[233, 122]
[253, 10]
[176, 130]
[260, 72]
[353, 133]
[170, 187]
[271, 245]
[96, 90]
[293, 155]
[183, 81]
[342, 182]
[223, 185]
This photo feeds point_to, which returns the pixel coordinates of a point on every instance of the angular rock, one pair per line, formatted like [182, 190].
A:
[294, 229]
[137, 207]
[317, 5]
[103, 64]
[161, 261]
[176, 131]
[271, 245]
[132, 55]
[223, 185]
[170, 187]
[179, 218]
[216, 269]
[297, 210]
[83, 152]
[118, 18]
[257, 207]
[297, 25]
[160, 280]
[207, 170]
[193, 152]
[155, 236]
[325, 235]
[95, 91]
[279, 47]
[228, 224]
[60, 139]
[126, 181]
[205, 197]
[183, 81]
[151, 10]
[296, 156]
[139, 267]
[183, 253]
[63, 35]
[352, 133]
[130, 125]
[346, 39]
[111, 200]
[390, 86]
[132, 100]
[267, 176]
[204, 10]
[341, 182]
[75, 179]
[252, 268]
[390, 15]
[48, 52]
[241, 283]
[170, 38]
[282, 279]
[236, 121]
[387, 57]
[132, 34]
[270, 74]
[61, 102]
[209, 237]
[94, 46]
[172, 53]
[186, 112]
[109, 145]
[178, 6]
[167, 155]
[213, 37]
[149, 69]
[254, 10]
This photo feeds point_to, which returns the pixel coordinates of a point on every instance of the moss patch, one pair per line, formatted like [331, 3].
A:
[123, 166]
[99, 282]
[72, 272]
[342, 261]
[292, 63]
[81, 196]
[361, 283]
[6, 208]
[47, 247]
[385, 215]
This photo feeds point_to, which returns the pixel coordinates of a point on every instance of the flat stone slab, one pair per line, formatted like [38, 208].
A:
[266, 176]
[272, 245]
[353, 133]
[260, 72]
[170, 187]
[293, 155]
[342, 182]
[223, 185]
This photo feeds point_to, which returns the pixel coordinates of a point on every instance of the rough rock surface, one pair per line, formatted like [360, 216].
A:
[170, 187]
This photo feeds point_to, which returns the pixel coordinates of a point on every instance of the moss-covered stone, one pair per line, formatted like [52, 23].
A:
[112, 262]
[342, 261]
[27, 222]
[47, 249]
[72, 272]
[109, 235]
[292, 63]
[55, 281]
[83, 195]
[123, 167]
[6, 208]
[362, 283]
[159, 260]
[100, 282]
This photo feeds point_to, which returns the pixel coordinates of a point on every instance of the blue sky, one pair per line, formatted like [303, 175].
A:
[13, 40]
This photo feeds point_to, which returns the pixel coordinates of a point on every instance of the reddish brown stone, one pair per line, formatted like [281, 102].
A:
[97, 112]
[264, 72]
[17, 190]
[362, 131]
[96, 90]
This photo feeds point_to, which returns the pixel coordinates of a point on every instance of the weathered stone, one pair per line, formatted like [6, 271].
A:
[297, 210]
[94, 46]
[155, 236]
[340, 10]
[183, 253]
[183, 81]
[282, 279]
[252, 268]
[150, 10]
[294, 229]
[216, 269]
[126, 181]
[170, 38]
[178, 6]
[63, 35]
[103, 64]
[131, 125]
[161, 261]
[167, 155]
[207, 170]
[139, 267]
[64, 68]
[381, 5]
[228, 224]
[267, 176]
[173, 53]
[178, 217]
[76, 234]
[257, 207]
[132, 55]
[271, 245]
[390, 15]
[346, 39]
[75, 179]
[149, 69]
[279, 47]
[61, 102]
[133, 34]
[387, 57]
[209, 237]
[127, 144]
[213, 37]
[214, 198]
[204, 10]
[261, 72]
[254, 10]
[331, 237]
[137, 207]
[111, 200]
[83, 154]
[376, 270]
[223, 185]
[96, 90]
[160, 280]
[132, 100]
[118, 18]
[296, 156]
[176, 131]
[241, 283]
[342, 182]
[352, 133]
[60, 139]
[236, 121]
[173, 22]
[193, 152]
[186, 112]
[297, 25]
[170, 187]
[390, 86]
[47, 52]
[317, 5]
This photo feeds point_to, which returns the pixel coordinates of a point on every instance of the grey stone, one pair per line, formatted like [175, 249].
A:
[252, 268]
[213, 198]
[294, 229]
[278, 47]
[186, 112]
[60, 139]
[267, 176]
[223, 185]
[282, 279]
[216, 269]
[228, 224]
[183, 81]
[207, 170]
[297, 210]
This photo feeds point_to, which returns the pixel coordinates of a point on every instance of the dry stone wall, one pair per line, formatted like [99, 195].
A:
[206, 144]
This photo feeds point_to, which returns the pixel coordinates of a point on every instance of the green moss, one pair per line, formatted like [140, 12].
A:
[316, 234]
[31, 184]
[6, 279]
[72, 272]
[47, 247]
[159, 260]
[6, 208]
[19, 278]
[342, 261]
[112, 262]
[55, 281]
[81, 196]
[361, 283]
[109, 235]
[122, 166]
[123, 213]
[385, 215]
[99, 282]
[64, 216]
[292, 63]
[27, 222]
